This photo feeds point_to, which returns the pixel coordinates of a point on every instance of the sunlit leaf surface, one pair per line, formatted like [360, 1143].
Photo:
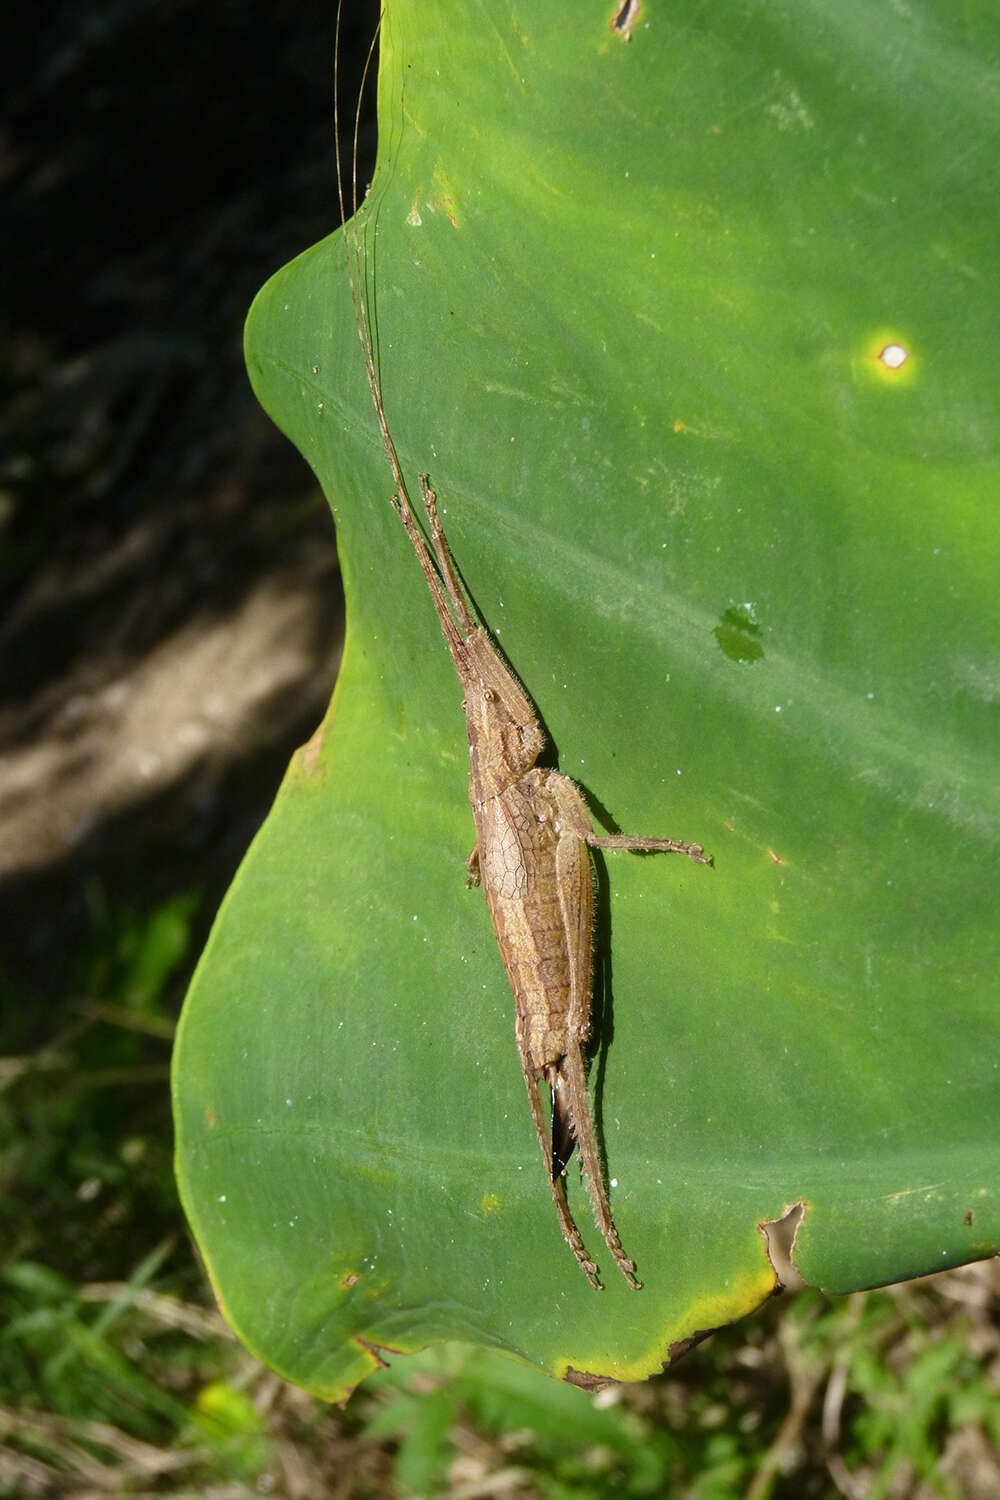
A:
[695, 334]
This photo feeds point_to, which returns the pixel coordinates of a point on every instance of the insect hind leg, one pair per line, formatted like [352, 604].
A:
[571, 1234]
[576, 1087]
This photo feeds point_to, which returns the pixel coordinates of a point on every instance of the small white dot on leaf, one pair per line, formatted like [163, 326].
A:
[894, 356]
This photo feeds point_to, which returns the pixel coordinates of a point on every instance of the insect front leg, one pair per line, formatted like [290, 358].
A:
[452, 634]
[445, 561]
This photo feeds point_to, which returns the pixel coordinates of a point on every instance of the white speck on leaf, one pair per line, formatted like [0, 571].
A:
[894, 355]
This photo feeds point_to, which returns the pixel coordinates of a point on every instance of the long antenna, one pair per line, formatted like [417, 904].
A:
[450, 601]
[353, 257]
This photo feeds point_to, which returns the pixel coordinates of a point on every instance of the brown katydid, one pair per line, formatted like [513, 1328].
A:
[533, 842]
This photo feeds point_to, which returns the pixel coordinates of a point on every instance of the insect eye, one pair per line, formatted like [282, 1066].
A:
[489, 694]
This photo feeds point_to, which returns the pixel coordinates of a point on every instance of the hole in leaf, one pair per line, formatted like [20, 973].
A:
[779, 1237]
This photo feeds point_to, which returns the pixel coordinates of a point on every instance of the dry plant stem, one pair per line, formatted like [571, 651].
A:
[532, 853]
[805, 1375]
[833, 1401]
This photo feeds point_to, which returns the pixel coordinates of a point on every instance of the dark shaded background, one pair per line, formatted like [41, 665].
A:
[171, 607]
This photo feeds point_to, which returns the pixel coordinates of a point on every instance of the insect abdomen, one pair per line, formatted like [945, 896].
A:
[519, 880]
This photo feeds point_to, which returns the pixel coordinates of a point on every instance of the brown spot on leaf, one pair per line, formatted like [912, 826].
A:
[376, 1350]
[588, 1381]
[624, 18]
[311, 751]
[373, 1351]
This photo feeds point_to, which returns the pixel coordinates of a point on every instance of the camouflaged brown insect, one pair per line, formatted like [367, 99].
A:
[532, 852]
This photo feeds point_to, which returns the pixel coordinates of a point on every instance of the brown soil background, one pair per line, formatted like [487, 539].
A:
[170, 604]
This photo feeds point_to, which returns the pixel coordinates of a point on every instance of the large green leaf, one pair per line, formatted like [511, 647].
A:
[630, 298]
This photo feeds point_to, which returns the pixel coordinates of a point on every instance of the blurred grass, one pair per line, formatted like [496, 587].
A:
[117, 1375]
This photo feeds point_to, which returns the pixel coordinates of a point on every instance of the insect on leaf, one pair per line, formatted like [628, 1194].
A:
[638, 308]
